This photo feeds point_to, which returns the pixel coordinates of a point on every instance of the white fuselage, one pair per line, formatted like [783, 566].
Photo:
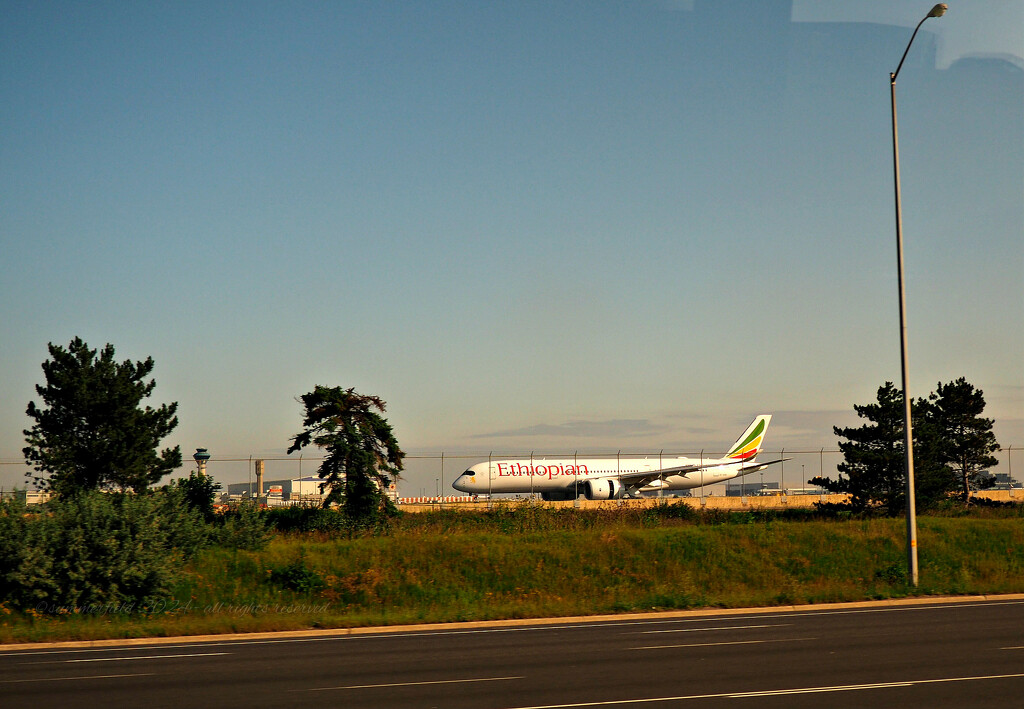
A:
[613, 478]
[561, 474]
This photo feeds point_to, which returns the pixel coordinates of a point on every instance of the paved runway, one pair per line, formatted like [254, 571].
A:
[964, 654]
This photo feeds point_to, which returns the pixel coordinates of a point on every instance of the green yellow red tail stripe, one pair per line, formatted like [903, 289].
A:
[749, 443]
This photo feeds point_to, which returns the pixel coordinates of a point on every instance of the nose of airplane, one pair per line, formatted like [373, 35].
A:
[460, 483]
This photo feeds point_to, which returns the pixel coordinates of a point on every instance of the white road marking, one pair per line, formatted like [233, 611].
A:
[65, 679]
[817, 690]
[408, 684]
[147, 657]
[704, 630]
[733, 642]
[773, 692]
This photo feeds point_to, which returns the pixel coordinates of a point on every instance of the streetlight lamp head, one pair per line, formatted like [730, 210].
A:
[937, 11]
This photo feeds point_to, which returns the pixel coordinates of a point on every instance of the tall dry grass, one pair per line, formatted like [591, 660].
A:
[529, 561]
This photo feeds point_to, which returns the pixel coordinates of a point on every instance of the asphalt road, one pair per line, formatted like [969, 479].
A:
[965, 654]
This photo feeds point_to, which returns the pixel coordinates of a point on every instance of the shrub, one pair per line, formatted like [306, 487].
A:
[296, 576]
[306, 519]
[244, 527]
[96, 550]
[198, 492]
[13, 544]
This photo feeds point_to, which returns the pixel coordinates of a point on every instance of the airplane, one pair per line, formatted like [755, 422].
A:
[615, 478]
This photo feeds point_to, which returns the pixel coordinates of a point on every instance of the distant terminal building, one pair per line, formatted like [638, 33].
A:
[29, 497]
[751, 489]
[1005, 482]
[289, 491]
[757, 489]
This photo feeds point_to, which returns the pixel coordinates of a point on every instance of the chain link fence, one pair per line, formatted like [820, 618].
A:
[431, 474]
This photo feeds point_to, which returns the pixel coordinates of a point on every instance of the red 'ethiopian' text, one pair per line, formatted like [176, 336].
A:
[548, 471]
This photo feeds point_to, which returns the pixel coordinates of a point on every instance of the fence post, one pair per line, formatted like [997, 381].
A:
[576, 480]
[703, 502]
[618, 468]
[661, 488]
[1009, 468]
[782, 478]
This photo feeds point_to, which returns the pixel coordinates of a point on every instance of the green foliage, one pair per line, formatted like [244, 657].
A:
[96, 550]
[198, 492]
[449, 565]
[185, 528]
[953, 447]
[13, 538]
[962, 441]
[306, 519]
[873, 455]
[429, 574]
[91, 432]
[119, 550]
[362, 454]
[676, 511]
[296, 576]
[244, 527]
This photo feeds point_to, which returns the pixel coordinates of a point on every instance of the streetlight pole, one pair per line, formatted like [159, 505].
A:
[912, 571]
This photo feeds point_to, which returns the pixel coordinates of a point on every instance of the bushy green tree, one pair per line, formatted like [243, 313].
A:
[199, 493]
[952, 449]
[97, 550]
[872, 470]
[91, 431]
[362, 455]
[962, 440]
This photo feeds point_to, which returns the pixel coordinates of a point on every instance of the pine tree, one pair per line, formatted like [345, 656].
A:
[953, 448]
[964, 442]
[362, 453]
[90, 432]
[873, 455]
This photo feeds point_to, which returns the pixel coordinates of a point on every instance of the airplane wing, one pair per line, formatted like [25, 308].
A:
[638, 480]
[748, 469]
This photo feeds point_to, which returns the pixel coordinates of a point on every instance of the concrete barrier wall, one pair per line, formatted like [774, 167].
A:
[714, 502]
[710, 502]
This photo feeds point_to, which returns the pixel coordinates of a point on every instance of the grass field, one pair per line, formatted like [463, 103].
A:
[528, 561]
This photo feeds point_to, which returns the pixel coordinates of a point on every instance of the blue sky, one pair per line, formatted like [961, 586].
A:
[525, 225]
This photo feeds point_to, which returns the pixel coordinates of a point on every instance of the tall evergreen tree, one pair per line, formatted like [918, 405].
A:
[362, 453]
[90, 432]
[873, 461]
[963, 440]
[953, 448]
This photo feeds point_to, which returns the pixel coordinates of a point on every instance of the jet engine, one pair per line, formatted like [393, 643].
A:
[603, 489]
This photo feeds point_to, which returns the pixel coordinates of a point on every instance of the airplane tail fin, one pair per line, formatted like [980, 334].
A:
[750, 441]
